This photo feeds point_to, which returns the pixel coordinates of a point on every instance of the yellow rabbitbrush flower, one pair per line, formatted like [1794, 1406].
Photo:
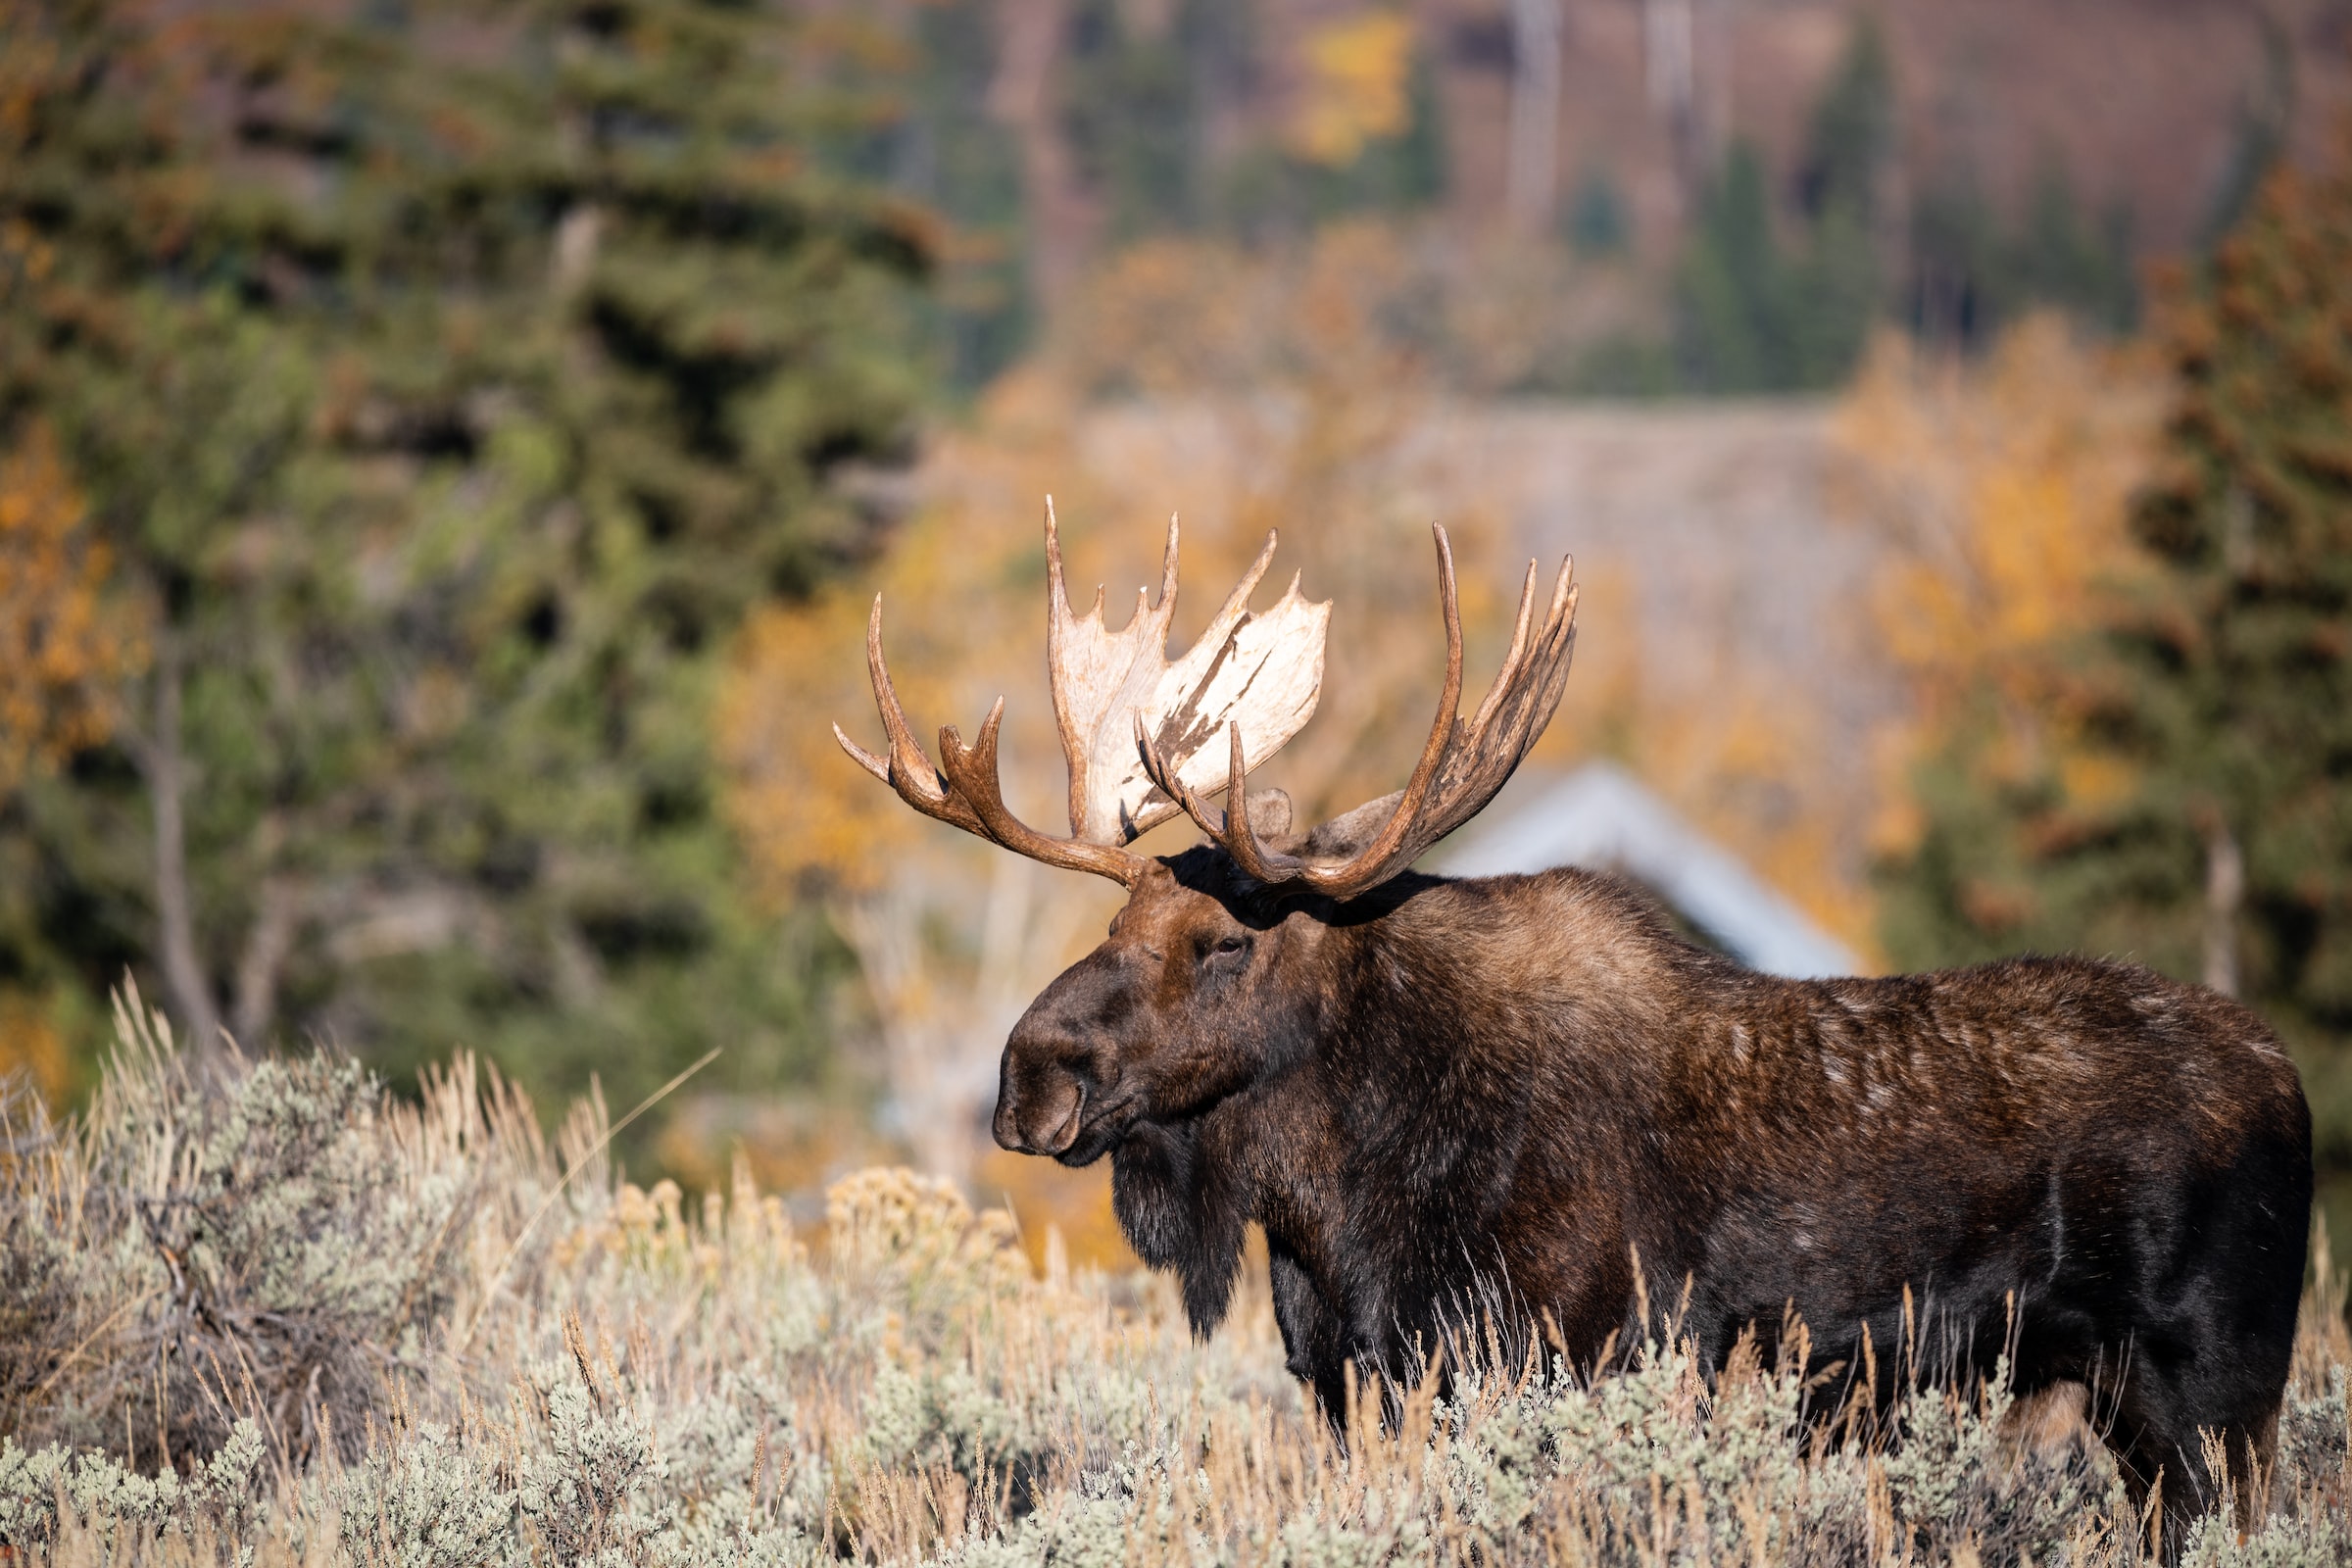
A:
[900, 1219]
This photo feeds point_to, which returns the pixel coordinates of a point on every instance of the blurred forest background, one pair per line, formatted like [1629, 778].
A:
[447, 452]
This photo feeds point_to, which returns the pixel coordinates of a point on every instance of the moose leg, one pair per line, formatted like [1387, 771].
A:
[2194, 1293]
[1312, 1341]
[2163, 1427]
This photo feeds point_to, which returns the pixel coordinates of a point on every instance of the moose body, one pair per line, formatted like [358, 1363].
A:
[1526, 1097]
[1449, 1095]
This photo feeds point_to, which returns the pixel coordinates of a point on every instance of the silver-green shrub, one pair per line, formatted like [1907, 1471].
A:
[250, 1237]
[44, 1487]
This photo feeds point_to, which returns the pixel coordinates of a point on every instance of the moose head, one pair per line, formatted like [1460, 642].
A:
[1185, 1002]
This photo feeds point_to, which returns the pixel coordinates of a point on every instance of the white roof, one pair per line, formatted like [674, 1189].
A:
[1603, 819]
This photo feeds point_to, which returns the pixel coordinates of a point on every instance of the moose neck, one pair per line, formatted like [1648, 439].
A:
[1403, 1065]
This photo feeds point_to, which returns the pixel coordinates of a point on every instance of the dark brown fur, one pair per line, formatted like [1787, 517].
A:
[1519, 1085]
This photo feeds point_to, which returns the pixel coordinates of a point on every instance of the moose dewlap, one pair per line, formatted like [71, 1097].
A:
[1527, 1095]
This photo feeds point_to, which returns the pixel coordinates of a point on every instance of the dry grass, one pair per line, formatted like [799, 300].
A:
[269, 1316]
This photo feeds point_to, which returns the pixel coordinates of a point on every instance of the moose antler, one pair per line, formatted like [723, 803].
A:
[1255, 677]
[1460, 769]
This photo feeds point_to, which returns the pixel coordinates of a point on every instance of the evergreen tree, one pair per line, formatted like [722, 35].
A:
[1756, 314]
[1974, 276]
[949, 152]
[1732, 289]
[1597, 222]
[1853, 131]
[449, 381]
[1134, 113]
[2061, 259]
[2206, 723]
[2265, 119]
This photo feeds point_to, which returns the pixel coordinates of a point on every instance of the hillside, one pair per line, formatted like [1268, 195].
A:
[2144, 107]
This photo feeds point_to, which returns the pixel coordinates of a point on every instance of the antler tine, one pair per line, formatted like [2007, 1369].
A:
[906, 770]
[1442, 732]
[1510, 661]
[1239, 838]
[1058, 621]
[972, 770]
[1171, 783]
[1168, 565]
[1238, 601]
[966, 795]
[974, 776]
[1058, 598]
[1462, 765]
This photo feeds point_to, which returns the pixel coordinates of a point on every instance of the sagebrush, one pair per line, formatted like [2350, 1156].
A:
[262, 1311]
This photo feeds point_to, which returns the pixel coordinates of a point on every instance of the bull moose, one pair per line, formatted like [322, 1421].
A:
[1533, 1088]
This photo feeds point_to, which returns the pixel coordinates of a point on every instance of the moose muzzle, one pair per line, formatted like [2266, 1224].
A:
[1040, 1102]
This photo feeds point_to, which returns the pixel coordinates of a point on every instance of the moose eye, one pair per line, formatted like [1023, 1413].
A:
[1231, 944]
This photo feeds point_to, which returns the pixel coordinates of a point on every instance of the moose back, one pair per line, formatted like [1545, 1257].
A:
[1527, 1093]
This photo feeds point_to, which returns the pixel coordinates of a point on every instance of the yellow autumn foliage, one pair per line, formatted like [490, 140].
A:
[2000, 490]
[29, 64]
[1355, 91]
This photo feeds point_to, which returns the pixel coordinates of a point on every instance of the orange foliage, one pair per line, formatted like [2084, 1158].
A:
[28, 68]
[2002, 490]
[33, 1048]
[66, 644]
[1043, 1196]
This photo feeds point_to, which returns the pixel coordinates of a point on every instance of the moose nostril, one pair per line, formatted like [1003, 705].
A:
[1006, 1124]
[1066, 1133]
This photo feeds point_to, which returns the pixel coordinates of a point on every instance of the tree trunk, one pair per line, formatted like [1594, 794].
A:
[266, 949]
[1023, 98]
[1530, 176]
[1670, 58]
[2225, 891]
[167, 783]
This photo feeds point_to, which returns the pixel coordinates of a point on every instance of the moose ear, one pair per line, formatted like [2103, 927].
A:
[1270, 814]
[1344, 837]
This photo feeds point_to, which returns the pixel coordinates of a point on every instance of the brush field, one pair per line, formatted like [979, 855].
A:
[259, 1313]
